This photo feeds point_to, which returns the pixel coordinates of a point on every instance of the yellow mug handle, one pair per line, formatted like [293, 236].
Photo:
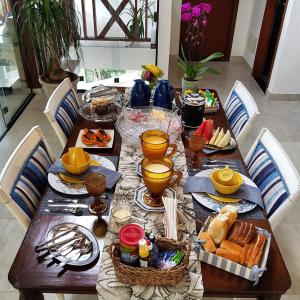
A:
[172, 153]
[178, 175]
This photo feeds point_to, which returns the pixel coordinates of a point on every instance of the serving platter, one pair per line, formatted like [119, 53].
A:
[74, 258]
[76, 189]
[242, 206]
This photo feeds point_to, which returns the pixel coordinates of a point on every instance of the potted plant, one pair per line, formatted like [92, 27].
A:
[53, 27]
[196, 19]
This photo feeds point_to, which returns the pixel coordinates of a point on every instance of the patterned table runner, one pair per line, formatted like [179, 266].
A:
[108, 286]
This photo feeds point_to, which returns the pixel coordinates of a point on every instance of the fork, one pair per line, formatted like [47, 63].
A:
[75, 201]
[218, 161]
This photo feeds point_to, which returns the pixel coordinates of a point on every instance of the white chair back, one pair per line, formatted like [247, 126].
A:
[241, 111]
[274, 173]
[24, 176]
[62, 110]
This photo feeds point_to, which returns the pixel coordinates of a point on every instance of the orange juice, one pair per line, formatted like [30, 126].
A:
[155, 143]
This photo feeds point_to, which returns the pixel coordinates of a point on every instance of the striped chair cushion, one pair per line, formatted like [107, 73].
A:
[265, 173]
[236, 113]
[66, 114]
[31, 182]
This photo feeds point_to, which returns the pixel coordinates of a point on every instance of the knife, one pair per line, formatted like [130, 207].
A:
[40, 246]
[69, 205]
[218, 166]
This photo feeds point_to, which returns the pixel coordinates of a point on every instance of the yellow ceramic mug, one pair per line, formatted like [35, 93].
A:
[155, 143]
[157, 174]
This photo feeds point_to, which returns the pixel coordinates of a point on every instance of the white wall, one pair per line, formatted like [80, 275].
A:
[285, 77]
[175, 27]
[164, 35]
[242, 27]
[254, 30]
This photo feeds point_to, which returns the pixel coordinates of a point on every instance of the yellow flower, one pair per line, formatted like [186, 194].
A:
[155, 70]
[186, 92]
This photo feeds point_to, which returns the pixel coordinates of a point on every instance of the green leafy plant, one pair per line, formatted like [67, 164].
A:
[137, 15]
[194, 70]
[53, 27]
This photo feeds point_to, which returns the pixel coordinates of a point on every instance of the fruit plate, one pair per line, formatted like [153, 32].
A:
[109, 145]
[133, 122]
[232, 145]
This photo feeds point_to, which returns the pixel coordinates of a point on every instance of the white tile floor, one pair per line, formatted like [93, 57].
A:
[281, 117]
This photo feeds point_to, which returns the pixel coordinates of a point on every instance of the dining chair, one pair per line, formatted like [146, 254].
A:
[62, 110]
[275, 175]
[23, 179]
[241, 111]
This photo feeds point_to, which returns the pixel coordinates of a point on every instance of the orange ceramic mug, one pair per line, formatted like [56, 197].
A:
[155, 143]
[157, 174]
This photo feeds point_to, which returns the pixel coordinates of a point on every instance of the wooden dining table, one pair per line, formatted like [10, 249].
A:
[33, 278]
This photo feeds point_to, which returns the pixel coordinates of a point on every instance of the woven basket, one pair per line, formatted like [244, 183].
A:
[151, 276]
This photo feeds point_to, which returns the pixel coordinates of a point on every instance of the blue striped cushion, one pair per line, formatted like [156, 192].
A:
[66, 114]
[236, 113]
[31, 182]
[265, 173]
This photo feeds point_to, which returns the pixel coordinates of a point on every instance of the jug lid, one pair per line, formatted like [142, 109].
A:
[194, 99]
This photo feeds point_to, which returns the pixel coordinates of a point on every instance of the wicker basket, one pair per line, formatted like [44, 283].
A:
[151, 276]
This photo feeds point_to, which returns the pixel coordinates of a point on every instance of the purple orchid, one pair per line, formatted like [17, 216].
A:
[196, 11]
[205, 7]
[186, 17]
[186, 7]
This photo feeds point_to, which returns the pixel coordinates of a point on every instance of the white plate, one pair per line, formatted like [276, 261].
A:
[243, 206]
[79, 143]
[77, 189]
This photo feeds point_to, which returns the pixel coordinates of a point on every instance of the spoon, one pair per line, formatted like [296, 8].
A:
[219, 161]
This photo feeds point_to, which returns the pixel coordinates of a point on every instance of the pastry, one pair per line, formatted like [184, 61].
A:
[209, 245]
[218, 228]
[231, 212]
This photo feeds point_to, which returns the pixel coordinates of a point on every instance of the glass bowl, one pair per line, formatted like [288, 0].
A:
[132, 123]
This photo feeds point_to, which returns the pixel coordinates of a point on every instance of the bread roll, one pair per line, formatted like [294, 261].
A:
[231, 212]
[209, 245]
[257, 250]
[228, 254]
[244, 253]
[218, 228]
[231, 247]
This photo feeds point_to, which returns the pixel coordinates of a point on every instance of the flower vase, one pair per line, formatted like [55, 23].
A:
[193, 85]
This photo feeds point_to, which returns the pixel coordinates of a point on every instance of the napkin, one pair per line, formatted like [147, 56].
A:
[203, 184]
[112, 177]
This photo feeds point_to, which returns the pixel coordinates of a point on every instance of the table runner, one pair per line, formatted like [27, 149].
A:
[108, 286]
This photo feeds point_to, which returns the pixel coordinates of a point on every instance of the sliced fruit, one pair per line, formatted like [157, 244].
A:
[225, 140]
[88, 140]
[208, 130]
[103, 134]
[200, 129]
[89, 132]
[100, 142]
[214, 137]
[219, 138]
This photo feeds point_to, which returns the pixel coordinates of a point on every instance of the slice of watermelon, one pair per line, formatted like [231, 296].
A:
[199, 131]
[208, 130]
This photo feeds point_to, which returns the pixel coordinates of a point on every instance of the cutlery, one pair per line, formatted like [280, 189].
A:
[41, 246]
[217, 166]
[75, 201]
[83, 249]
[81, 205]
[217, 161]
[59, 251]
[73, 210]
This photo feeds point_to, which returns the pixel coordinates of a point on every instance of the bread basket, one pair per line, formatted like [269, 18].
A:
[151, 276]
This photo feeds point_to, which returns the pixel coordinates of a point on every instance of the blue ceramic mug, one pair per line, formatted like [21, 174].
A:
[164, 94]
[140, 94]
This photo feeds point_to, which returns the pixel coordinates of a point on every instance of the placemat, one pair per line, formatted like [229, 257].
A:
[50, 193]
[108, 286]
[202, 212]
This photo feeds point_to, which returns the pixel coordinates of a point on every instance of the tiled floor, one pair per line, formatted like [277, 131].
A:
[281, 117]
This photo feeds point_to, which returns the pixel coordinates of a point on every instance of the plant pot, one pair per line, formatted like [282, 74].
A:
[190, 85]
[49, 87]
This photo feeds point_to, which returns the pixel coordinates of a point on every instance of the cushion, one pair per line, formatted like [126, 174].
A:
[31, 181]
[236, 113]
[67, 113]
[266, 175]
